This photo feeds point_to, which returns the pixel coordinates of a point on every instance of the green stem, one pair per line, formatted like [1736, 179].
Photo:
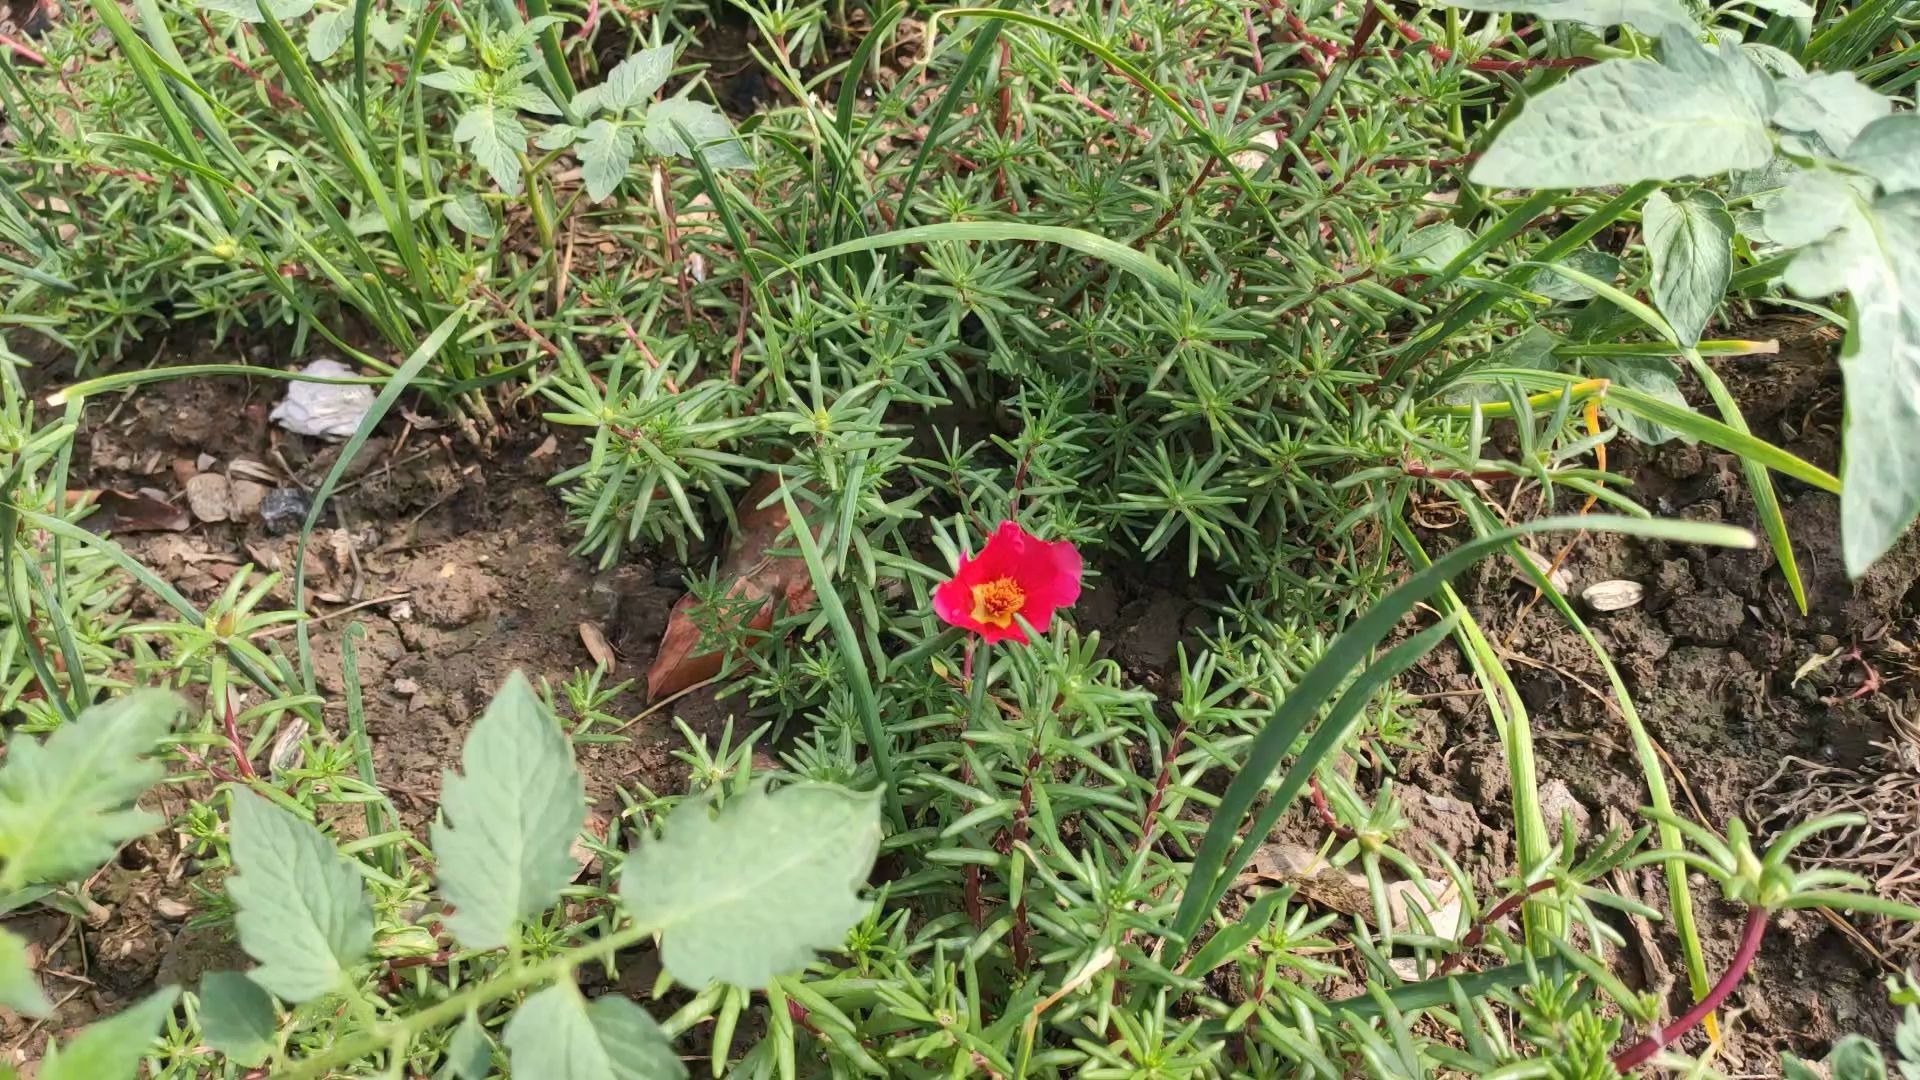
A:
[398, 1032]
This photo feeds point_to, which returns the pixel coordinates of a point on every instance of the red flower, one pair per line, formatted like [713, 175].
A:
[1016, 573]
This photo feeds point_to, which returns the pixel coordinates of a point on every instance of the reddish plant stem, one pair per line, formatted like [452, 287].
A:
[1253, 46]
[1441, 54]
[1750, 935]
[278, 97]
[1014, 835]
[1102, 112]
[1369, 22]
[1320, 808]
[1478, 932]
[1206, 173]
[1160, 784]
[233, 741]
[23, 50]
[739, 336]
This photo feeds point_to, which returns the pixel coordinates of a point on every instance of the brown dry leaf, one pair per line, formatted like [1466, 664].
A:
[1346, 891]
[121, 512]
[597, 647]
[545, 449]
[754, 575]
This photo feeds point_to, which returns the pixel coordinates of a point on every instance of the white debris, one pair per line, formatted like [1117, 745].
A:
[328, 410]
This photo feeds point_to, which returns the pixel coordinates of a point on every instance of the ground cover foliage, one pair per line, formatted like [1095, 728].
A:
[1216, 289]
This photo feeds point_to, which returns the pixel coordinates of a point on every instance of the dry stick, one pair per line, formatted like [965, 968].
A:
[1750, 935]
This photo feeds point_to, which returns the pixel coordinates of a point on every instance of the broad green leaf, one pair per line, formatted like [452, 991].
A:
[512, 815]
[249, 10]
[1690, 242]
[1889, 151]
[389, 35]
[1792, 9]
[605, 150]
[302, 913]
[454, 80]
[1813, 205]
[756, 890]
[328, 31]
[704, 124]
[1433, 247]
[67, 803]
[469, 1054]
[1650, 375]
[111, 1049]
[1876, 258]
[1855, 1057]
[469, 214]
[1587, 261]
[495, 137]
[1832, 105]
[631, 83]
[1647, 16]
[19, 986]
[1629, 120]
[558, 1035]
[556, 137]
[528, 97]
[237, 1017]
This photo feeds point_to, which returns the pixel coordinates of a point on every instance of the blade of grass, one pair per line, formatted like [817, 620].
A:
[1347, 651]
[1766, 502]
[1116, 254]
[1646, 754]
[853, 659]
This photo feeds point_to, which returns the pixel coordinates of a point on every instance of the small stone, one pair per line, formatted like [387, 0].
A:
[1560, 578]
[209, 497]
[283, 510]
[406, 686]
[1557, 804]
[1616, 595]
[206, 462]
[246, 497]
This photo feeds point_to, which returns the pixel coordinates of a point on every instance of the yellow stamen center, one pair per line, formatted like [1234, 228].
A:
[996, 602]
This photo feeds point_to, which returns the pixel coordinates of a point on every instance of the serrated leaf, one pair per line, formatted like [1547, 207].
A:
[302, 913]
[512, 815]
[558, 1035]
[631, 83]
[1832, 105]
[528, 97]
[1649, 375]
[237, 1017]
[556, 137]
[1889, 151]
[66, 803]
[454, 80]
[112, 1048]
[755, 891]
[705, 124]
[327, 32]
[1690, 243]
[495, 138]
[469, 214]
[1647, 16]
[469, 1053]
[1587, 261]
[1875, 256]
[1433, 247]
[605, 150]
[19, 986]
[1624, 121]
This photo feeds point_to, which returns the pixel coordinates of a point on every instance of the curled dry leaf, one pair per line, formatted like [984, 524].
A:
[1342, 890]
[121, 512]
[597, 647]
[752, 574]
